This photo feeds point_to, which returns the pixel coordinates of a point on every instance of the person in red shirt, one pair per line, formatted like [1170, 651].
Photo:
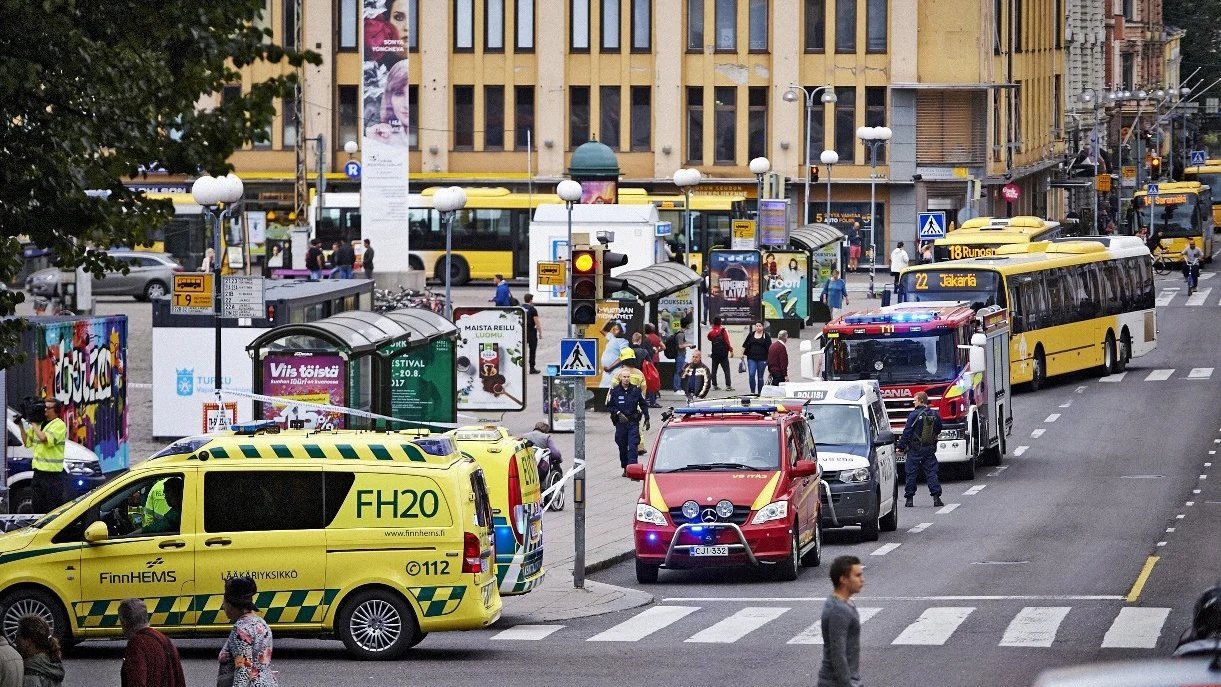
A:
[151, 659]
[778, 359]
[721, 352]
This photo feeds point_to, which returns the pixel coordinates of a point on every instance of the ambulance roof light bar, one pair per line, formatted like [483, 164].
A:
[887, 318]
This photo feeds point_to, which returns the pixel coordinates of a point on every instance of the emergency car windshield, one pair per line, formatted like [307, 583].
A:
[700, 448]
[836, 424]
[894, 359]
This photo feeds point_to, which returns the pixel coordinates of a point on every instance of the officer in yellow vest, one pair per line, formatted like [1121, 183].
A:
[48, 440]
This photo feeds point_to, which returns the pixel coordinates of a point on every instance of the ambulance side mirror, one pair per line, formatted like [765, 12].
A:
[97, 532]
[807, 346]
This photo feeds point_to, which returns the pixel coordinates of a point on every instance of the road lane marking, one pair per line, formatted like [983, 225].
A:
[948, 508]
[1067, 403]
[871, 599]
[527, 633]
[998, 471]
[1191, 503]
[1141, 579]
[1081, 389]
[1113, 378]
[1200, 297]
[1200, 373]
[921, 527]
[1169, 529]
[738, 625]
[1207, 275]
[1020, 450]
[644, 624]
[974, 490]
[1159, 375]
[1167, 295]
[885, 549]
[1037, 433]
[934, 626]
[1135, 628]
[1053, 417]
[813, 633]
[1034, 626]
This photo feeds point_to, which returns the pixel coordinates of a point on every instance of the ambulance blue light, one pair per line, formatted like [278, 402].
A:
[252, 428]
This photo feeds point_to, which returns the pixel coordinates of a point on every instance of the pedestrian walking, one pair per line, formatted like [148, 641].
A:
[366, 259]
[721, 351]
[313, 259]
[653, 340]
[835, 294]
[47, 436]
[534, 329]
[208, 263]
[625, 401]
[12, 666]
[841, 626]
[778, 359]
[919, 442]
[754, 351]
[926, 252]
[502, 298]
[43, 660]
[151, 659]
[695, 378]
[854, 246]
[245, 660]
[344, 258]
[899, 261]
[676, 347]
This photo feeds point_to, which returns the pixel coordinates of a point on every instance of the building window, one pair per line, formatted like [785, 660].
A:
[756, 141]
[1017, 25]
[578, 115]
[525, 26]
[725, 148]
[817, 132]
[816, 25]
[494, 26]
[695, 25]
[642, 118]
[726, 25]
[642, 25]
[608, 116]
[1018, 140]
[579, 26]
[1128, 68]
[996, 125]
[349, 14]
[845, 122]
[1059, 19]
[464, 25]
[288, 123]
[493, 117]
[349, 114]
[875, 115]
[1129, 10]
[230, 92]
[523, 117]
[758, 25]
[413, 117]
[610, 25]
[876, 23]
[290, 24]
[1056, 110]
[464, 117]
[998, 12]
[695, 124]
[845, 26]
[413, 25]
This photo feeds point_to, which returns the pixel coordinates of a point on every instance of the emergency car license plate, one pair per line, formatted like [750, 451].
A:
[709, 550]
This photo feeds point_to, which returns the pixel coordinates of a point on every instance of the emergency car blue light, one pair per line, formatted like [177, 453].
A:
[250, 428]
[697, 529]
[726, 410]
[652, 536]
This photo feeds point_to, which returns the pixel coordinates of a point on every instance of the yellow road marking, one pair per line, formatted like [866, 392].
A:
[1141, 579]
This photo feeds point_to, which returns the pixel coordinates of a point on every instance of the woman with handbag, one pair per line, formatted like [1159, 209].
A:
[754, 354]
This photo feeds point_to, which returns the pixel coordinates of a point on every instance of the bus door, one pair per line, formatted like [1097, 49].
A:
[519, 224]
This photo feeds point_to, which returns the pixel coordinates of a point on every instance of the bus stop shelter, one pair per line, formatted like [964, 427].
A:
[824, 244]
[670, 291]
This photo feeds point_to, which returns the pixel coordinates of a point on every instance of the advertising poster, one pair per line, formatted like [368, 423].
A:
[786, 285]
[675, 312]
[422, 384]
[844, 214]
[310, 377]
[559, 397]
[182, 385]
[629, 315]
[773, 222]
[599, 192]
[734, 286]
[83, 363]
[491, 371]
[387, 117]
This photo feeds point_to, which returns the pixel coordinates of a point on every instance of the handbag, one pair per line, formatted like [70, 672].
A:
[742, 365]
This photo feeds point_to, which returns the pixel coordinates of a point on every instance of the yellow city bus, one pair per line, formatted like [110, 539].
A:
[1209, 174]
[1182, 210]
[1073, 304]
[983, 235]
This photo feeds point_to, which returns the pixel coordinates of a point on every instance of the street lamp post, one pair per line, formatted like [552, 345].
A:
[759, 166]
[686, 180]
[830, 158]
[218, 197]
[448, 201]
[828, 97]
[1089, 95]
[873, 137]
[569, 191]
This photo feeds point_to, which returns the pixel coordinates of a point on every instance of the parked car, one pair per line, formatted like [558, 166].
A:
[150, 276]
[83, 470]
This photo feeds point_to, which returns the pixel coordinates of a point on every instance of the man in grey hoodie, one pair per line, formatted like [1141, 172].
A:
[841, 626]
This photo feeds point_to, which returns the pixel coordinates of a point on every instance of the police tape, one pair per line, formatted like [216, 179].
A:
[550, 494]
[353, 412]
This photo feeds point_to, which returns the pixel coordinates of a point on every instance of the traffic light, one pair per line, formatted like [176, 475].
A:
[813, 174]
[583, 299]
[607, 284]
[1155, 168]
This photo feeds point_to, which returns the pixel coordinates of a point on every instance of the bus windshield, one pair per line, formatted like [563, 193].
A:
[1174, 215]
[1210, 179]
[981, 288]
[894, 359]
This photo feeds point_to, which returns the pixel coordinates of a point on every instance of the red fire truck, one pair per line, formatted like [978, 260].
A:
[958, 356]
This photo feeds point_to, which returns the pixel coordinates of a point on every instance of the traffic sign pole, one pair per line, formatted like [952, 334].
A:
[578, 488]
[1151, 192]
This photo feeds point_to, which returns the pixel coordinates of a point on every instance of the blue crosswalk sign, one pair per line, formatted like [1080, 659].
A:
[1152, 189]
[1199, 158]
[577, 357]
[930, 225]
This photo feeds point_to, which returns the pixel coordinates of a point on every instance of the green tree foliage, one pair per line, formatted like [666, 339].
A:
[91, 92]
[1201, 45]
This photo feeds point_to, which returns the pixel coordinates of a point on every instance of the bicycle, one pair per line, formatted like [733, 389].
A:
[1162, 262]
[1193, 275]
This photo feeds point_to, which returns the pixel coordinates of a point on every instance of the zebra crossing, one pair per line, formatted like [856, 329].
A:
[1162, 374]
[1178, 296]
[1107, 625]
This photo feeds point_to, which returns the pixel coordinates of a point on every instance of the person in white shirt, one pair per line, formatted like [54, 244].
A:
[899, 260]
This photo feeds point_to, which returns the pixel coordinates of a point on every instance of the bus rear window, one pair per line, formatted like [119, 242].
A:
[980, 288]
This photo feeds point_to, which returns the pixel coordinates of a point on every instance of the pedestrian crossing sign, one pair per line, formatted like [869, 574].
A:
[930, 225]
[1199, 158]
[577, 356]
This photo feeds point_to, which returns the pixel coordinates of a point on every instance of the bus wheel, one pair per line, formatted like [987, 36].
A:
[1125, 350]
[415, 263]
[1039, 380]
[459, 271]
[1110, 358]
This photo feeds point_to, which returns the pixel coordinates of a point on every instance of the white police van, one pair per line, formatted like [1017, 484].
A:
[856, 450]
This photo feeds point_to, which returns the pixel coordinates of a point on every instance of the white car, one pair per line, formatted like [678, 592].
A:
[84, 470]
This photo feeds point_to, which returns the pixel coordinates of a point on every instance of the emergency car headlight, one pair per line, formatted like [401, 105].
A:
[949, 434]
[724, 509]
[854, 476]
[690, 510]
[649, 514]
[776, 510]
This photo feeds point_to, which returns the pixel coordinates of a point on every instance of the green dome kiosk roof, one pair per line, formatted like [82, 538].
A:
[594, 160]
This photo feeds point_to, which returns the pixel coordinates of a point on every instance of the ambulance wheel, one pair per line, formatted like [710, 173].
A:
[787, 570]
[37, 602]
[646, 573]
[419, 637]
[813, 557]
[378, 625]
[890, 521]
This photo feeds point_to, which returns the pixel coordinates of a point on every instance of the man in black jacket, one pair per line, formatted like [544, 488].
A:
[920, 445]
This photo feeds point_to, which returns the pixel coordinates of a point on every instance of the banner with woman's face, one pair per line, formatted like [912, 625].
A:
[386, 107]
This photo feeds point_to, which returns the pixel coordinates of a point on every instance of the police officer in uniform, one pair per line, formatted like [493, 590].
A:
[921, 455]
[48, 440]
[623, 402]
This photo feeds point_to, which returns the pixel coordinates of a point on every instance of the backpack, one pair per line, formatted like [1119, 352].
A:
[928, 429]
[652, 380]
[720, 345]
[671, 349]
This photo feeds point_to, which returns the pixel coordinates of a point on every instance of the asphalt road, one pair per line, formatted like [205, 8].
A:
[1029, 566]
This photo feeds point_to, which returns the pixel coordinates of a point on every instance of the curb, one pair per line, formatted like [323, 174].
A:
[609, 561]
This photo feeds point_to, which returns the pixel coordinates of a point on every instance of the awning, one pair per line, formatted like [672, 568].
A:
[659, 280]
[354, 331]
[423, 325]
[814, 236]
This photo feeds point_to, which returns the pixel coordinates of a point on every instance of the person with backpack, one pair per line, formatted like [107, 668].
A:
[919, 442]
[676, 347]
[721, 351]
